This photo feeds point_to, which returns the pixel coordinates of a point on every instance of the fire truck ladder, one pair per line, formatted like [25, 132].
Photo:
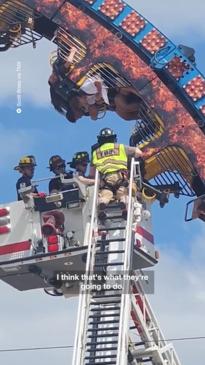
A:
[153, 348]
[103, 316]
[103, 333]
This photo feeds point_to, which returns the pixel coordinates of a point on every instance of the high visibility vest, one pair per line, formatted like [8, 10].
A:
[110, 157]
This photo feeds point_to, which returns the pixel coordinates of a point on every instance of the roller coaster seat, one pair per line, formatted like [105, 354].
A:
[171, 165]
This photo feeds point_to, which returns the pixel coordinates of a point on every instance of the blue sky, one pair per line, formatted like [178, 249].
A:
[41, 131]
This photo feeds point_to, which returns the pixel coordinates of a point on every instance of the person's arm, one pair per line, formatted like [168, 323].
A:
[93, 111]
[92, 171]
[86, 180]
[62, 68]
[70, 58]
[25, 189]
[150, 151]
[98, 85]
[133, 152]
[53, 187]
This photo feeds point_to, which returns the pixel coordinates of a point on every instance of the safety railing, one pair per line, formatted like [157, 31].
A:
[196, 211]
[65, 181]
[150, 332]
[17, 25]
[122, 351]
[84, 299]
[65, 42]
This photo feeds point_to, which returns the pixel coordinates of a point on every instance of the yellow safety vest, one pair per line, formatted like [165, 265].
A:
[110, 157]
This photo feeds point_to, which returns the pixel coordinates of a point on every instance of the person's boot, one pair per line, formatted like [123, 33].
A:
[123, 206]
[163, 199]
[101, 211]
[124, 214]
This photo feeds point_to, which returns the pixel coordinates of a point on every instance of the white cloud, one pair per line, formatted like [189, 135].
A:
[33, 319]
[180, 296]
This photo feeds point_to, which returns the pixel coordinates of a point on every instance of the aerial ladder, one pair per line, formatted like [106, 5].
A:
[108, 302]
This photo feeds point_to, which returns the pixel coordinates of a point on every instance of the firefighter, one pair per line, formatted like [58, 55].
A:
[80, 163]
[58, 166]
[26, 167]
[111, 159]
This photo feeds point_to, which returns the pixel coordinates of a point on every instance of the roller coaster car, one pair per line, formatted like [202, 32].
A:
[8, 35]
[148, 127]
[160, 192]
[5, 41]
[66, 96]
[46, 235]
[171, 166]
[16, 25]
[195, 208]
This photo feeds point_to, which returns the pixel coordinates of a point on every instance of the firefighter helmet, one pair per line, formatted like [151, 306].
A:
[56, 161]
[26, 161]
[107, 134]
[79, 157]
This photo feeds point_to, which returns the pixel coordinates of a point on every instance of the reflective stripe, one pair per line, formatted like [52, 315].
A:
[110, 157]
[111, 167]
[108, 152]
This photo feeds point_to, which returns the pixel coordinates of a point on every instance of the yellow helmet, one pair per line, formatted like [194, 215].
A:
[26, 161]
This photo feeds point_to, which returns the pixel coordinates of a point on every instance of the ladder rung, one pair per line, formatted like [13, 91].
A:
[106, 290]
[113, 206]
[109, 252]
[111, 240]
[103, 329]
[111, 264]
[114, 217]
[101, 349]
[111, 229]
[105, 309]
[145, 360]
[104, 335]
[106, 302]
[107, 296]
[105, 315]
[101, 343]
[103, 322]
[100, 357]
[105, 363]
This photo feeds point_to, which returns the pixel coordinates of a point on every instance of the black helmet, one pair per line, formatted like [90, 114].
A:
[55, 161]
[107, 135]
[79, 157]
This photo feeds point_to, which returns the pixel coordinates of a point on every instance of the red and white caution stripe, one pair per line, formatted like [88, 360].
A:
[143, 237]
[14, 251]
